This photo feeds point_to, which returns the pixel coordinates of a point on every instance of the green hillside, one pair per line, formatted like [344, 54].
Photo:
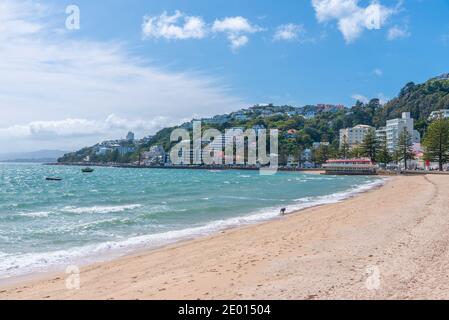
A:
[310, 123]
[419, 99]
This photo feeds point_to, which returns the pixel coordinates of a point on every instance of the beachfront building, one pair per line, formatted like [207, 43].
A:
[439, 114]
[360, 166]
[354, 136]
[156, 155]
[395, 127]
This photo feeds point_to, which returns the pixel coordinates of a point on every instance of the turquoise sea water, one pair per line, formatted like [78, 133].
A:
[87, 217]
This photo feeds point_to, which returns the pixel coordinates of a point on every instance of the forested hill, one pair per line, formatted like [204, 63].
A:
[419, 99]
[301, 127]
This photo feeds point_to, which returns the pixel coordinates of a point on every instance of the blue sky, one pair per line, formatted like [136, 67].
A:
[323, 69]
[123, 71]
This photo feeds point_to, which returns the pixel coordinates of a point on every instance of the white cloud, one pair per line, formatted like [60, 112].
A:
[236, 29]
[38, 130]
[352, 19]
[237, 41]
[169, 27]
[382, 98]
[181, 27]
[360, 98]
[398, 32]
[378, 72]
[73, 133]
[289, 32]
[16, 22]
[46, 76]
[234, 25]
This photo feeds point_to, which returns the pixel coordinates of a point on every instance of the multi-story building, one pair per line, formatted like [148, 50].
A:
[395, 127]
[130, 136]
[381, 134]
[439, 114]
[123, 150]
[354, 136]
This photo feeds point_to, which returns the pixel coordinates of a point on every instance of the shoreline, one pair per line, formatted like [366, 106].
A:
[252, 219]
[325, 252]
[57, 271]
[186, 167]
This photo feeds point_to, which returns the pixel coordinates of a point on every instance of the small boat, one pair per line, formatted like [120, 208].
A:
[53, 179]
[87, 170]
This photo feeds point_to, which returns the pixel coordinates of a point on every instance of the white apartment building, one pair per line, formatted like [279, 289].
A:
[381, 134]
[395, 127]
[354, 136]
[439, 114]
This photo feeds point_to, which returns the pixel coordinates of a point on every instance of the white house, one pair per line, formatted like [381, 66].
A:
[439, 114]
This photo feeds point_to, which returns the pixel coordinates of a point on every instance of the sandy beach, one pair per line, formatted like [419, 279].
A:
[389, 243]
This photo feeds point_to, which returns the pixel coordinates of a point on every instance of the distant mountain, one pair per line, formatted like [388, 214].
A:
[35, 156]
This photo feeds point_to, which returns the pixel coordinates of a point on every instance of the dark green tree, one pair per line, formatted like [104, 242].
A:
[383, 154]
[370, 145]
[345, 148]
[404, 151]
[436, 142]
[321, 154]
[356, 152]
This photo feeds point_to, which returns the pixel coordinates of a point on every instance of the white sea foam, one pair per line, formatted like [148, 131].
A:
[39, 214]
[19, 264]
[101, 209]
[14, 265]
[309, 202]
